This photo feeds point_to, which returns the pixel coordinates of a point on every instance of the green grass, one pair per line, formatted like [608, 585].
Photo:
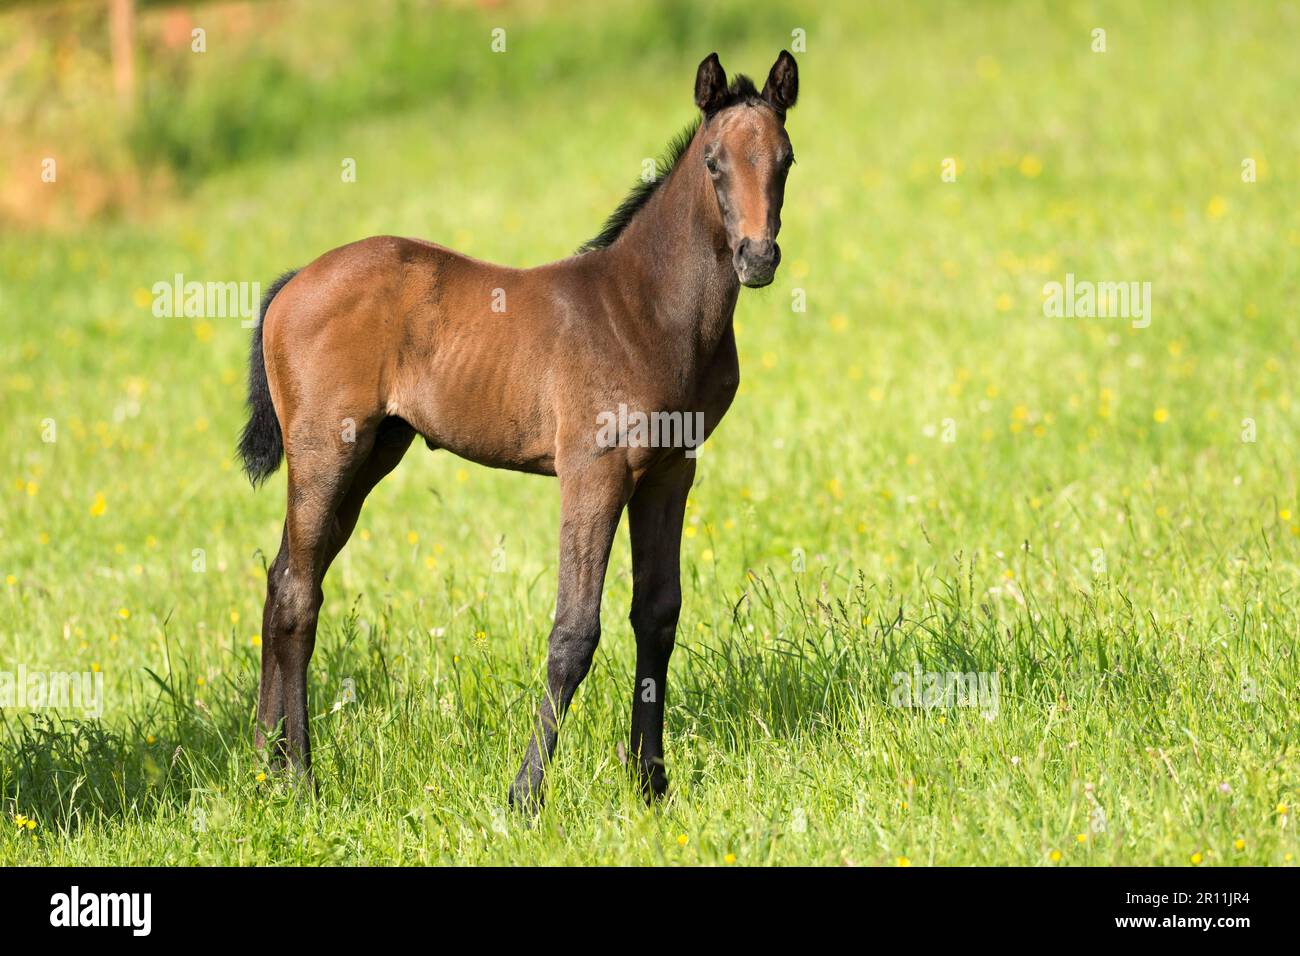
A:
[1164, 689]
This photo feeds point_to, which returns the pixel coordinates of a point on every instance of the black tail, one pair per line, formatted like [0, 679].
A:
[261, 445]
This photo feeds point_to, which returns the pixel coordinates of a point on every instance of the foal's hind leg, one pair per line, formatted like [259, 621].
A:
[592, 500]
[322, 465]
[391, 440]
[655, 520]
[294, 597]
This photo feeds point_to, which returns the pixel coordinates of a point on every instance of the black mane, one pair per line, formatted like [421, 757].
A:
[741, 90]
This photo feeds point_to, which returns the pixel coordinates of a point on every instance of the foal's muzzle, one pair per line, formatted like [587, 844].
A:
[756, 261]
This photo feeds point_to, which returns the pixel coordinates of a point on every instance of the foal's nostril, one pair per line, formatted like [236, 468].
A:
[755, 251]
[756, 261]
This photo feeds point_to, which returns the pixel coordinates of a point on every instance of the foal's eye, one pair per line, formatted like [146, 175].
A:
[711, 164]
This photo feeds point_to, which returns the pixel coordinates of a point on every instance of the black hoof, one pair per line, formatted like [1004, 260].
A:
[654, 782]
[526, 796]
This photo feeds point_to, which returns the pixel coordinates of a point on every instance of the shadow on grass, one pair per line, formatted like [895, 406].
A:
[69, 772]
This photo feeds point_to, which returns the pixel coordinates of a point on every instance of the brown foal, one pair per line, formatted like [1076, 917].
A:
[387, 338]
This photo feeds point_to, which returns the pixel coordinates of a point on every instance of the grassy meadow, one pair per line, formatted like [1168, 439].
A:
[921, 473]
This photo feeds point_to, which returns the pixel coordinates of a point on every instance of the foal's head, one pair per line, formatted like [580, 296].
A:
[747, 154]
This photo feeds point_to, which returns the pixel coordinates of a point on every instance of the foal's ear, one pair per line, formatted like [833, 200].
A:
[782, 86]
[710, 84]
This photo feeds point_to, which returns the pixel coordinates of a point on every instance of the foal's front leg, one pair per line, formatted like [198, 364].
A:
[655, 519]
[591, 503]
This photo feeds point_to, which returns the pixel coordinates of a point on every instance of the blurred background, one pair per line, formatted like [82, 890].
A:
[142, 97]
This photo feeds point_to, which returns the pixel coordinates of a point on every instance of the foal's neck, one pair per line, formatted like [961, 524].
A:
[677, 247]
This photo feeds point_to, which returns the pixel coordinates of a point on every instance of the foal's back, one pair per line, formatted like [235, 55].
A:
[475, 356]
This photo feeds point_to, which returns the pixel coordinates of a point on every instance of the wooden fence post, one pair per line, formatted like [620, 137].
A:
[121, 25]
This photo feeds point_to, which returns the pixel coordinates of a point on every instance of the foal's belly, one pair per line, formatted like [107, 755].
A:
[481, 413]
[533, 461]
